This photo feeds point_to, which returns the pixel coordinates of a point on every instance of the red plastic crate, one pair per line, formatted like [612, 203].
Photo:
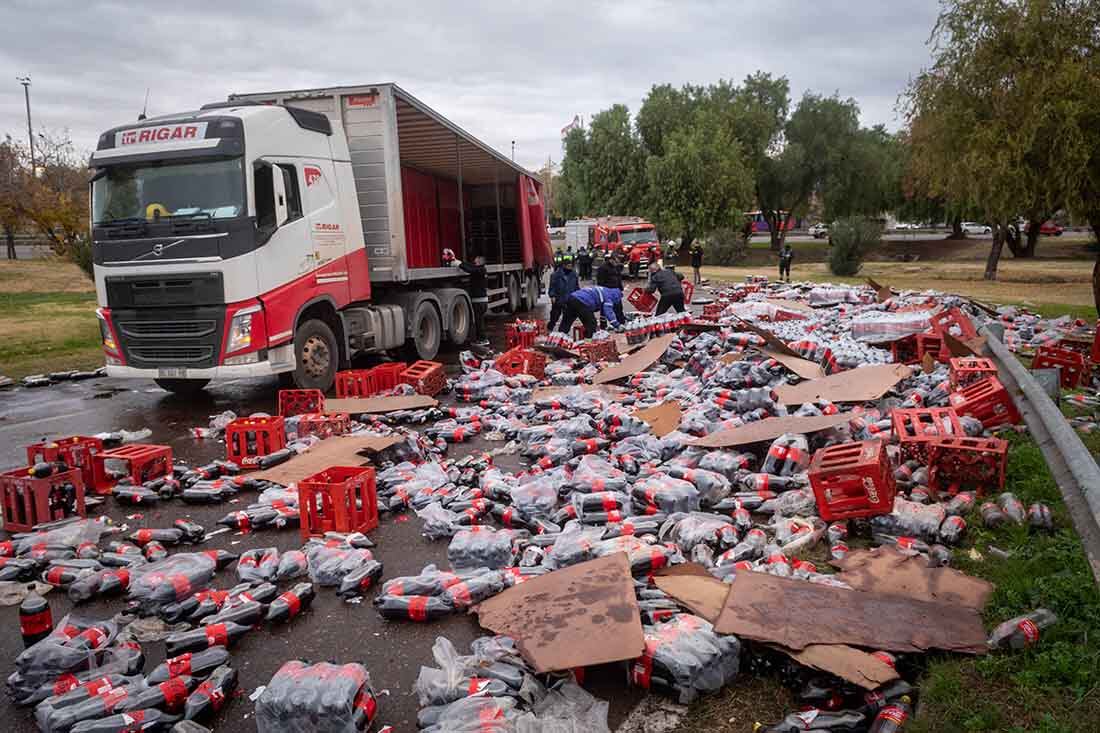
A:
[323, 425]
[298, 401]
[522, 334]
[918, 428]
[595, 351]
[964, 464]
[641, 300]
[426, 377]
[852, 480]
[953, 319]
[521, 361]
[911, 349]
[338, 499]
[689, 292]
[248, 439]
[144, 462]
[969, 369]
[1073, 369]
[355, 383]
[387, 376]
[27, 501]
[712, 311]
[987, 401]
[76, 451]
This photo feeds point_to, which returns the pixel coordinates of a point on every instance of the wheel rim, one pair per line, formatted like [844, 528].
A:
[460, 320]
[426, 331]
[513, 294]
[316, 356]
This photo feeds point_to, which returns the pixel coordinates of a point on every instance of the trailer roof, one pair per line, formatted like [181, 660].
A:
[427, 139]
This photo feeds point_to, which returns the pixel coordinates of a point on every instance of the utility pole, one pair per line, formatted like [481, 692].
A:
[26, 82]
[513, 151]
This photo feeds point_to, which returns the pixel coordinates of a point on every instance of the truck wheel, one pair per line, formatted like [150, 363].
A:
[531, 292]
[461, 317]
[183, 387]
[514, 296]
[316, 356]
[427, 331]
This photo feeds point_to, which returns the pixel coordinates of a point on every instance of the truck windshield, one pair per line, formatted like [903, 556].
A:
[638, 236]
[209, 189]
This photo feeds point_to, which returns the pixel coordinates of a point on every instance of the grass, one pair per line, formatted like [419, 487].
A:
[47, 316]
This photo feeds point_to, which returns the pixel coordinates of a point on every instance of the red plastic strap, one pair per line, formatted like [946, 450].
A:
[179, 666]
[36, 623]
[418, 608]
[216, 635]
[174, 691]
[293, 603]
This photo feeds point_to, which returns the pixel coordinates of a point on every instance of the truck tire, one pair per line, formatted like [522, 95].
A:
[461, 319]
[183, 387]
[427, 331]
[531, 292]
[316, 356]
[514, 296]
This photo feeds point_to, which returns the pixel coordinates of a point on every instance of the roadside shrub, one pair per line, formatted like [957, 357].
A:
[849, 239]
[724, 247]
[79, 252]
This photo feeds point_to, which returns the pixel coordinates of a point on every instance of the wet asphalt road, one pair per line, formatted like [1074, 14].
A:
[332, 630]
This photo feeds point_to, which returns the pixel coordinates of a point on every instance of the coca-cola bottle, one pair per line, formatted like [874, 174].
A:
[132, 721]
[291, 603]
[193, 664]
[246, 613]
[35, 619]
[1022, 631]
[844, 721]
[892, 718]
[209, 697]
[360, 580]
[192, 532]
[412, 608]
[1040, 518]
[214, 635]
[1012, 507]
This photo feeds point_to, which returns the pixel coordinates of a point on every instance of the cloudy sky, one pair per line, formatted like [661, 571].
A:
[502, 70]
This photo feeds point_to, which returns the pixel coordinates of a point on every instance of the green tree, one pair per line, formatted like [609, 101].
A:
[816, 144]
[12, 176]
[868, 182]
[663, 110]
[999, 123]
[574, 190]
[702, 182]
[617, 167]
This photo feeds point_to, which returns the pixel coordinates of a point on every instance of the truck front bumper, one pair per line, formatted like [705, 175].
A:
[280, 359]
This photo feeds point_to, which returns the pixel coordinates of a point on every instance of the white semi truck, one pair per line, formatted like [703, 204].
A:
[285, 232]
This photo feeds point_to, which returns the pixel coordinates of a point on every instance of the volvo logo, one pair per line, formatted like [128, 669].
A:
[158, 249]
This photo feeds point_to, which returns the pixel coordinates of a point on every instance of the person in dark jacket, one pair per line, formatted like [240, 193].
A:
[610, 275]
[785, 259]
[696, 262]
[586, 303]
[478, 289]
[666, 282]
[563, 281]
[584, 264]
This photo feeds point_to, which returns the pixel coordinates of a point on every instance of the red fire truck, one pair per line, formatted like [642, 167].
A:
[633, 236]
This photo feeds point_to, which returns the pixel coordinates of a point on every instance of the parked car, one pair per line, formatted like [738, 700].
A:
[1047, 229]
[973, 227]
[901, 225]
[819, 230]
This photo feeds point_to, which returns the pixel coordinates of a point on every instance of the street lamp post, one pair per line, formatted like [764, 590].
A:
[513, 151]
[26, 82]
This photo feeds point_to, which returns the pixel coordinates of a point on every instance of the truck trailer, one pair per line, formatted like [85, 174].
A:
[285, 232]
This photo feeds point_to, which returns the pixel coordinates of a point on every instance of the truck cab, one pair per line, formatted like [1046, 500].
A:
[634, 237]
[249, 238]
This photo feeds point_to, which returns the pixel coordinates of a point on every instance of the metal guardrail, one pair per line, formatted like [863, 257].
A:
[1074, 469]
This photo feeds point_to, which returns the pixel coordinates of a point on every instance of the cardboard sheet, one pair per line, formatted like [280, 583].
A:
[964, 347]
[731, 357]
[558, 351]
[884, 570]
[882, 292]
[770, 340]
[361, 405]
[639, 361]
[769, 429]
[849, 663]
[854, 385]
[580, 615]
[662, 419]
[609, 390]
[704, 594]
[802, 367]
[796, 614]
[341, 450]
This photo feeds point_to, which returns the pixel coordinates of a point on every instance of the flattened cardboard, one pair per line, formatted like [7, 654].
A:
[731, 357]
[609, 390]
[796, 614]
[639, 361]
[770, 340]
[558, 351]
[848, 663]
[580, 615]
[662, 419]
[854, 385]
[769, 429]
[884, 570]
[802, 367]
[362, 405]
[882, 292]
[342, 450]
[964, 347]
[704, 594]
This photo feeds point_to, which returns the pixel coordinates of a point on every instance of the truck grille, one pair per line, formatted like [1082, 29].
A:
[171, 355]
[168, 329]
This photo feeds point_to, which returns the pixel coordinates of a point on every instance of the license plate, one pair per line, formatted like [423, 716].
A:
[172, 373]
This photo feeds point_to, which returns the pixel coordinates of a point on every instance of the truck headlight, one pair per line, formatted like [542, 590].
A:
[240, 330]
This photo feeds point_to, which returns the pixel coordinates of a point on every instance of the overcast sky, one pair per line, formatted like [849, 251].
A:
[502, 70]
